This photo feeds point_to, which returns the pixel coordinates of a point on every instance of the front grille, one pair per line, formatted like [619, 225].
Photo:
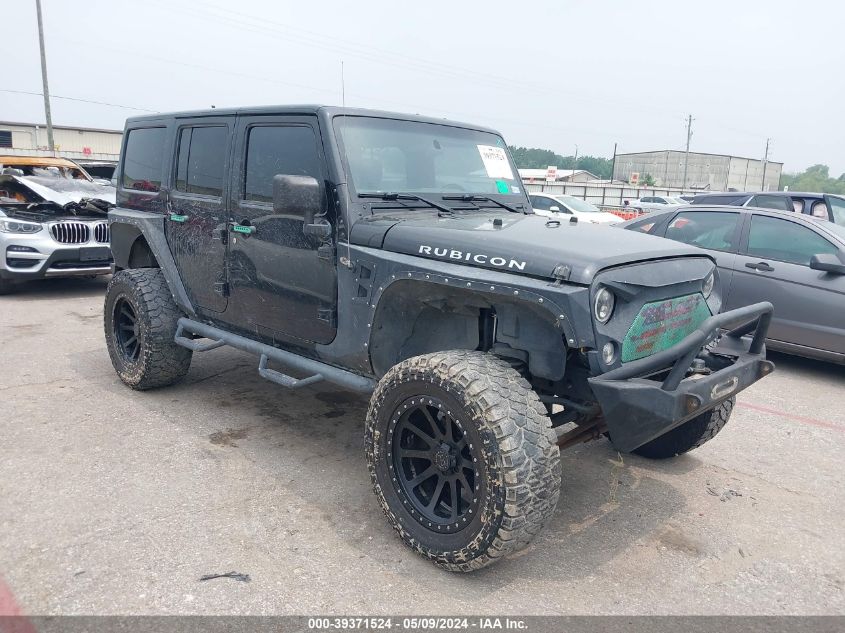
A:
[101, 233]
[71, 232]
[662, 324]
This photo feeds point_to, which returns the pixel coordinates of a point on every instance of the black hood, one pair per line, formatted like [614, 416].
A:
[521, 244]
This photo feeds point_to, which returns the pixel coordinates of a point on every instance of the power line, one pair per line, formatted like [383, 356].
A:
[54, 96]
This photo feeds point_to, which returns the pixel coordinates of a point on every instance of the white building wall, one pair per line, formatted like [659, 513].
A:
[70, 142]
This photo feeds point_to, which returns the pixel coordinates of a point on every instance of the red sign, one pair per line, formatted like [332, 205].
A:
[86, 151]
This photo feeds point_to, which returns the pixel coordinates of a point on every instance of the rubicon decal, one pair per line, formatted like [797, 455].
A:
[466, 256]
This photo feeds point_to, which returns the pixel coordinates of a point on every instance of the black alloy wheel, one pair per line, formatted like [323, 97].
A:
[126, 329]
[434, 463]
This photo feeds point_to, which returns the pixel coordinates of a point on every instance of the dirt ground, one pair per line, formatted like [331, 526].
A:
[117, 502]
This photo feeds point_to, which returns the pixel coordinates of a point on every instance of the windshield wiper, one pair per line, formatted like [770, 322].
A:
[471, 198]
[407, 196]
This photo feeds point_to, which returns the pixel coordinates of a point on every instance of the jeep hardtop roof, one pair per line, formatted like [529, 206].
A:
[313, 109]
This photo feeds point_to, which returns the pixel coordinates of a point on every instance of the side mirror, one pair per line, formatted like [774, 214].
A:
[555, 208]
[828, 262]
[300, 195]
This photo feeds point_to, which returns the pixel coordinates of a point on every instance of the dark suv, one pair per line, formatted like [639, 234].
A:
[819, 205]
[398, 256]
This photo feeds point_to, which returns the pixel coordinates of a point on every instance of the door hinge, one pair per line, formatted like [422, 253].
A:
[328, 315]
[222, 288]
[326, 252]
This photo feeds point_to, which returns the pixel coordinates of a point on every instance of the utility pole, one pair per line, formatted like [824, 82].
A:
[686, 156]
[613, 165]
[44, 77]
[575, 164]
[765, 164]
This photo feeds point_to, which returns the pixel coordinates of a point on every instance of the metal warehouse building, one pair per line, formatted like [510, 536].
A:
[715, 172]
[71, 142]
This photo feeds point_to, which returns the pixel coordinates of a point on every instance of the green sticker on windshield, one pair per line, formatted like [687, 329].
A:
[502, 186]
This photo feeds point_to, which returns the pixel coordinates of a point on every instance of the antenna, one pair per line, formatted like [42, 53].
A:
[342, 86]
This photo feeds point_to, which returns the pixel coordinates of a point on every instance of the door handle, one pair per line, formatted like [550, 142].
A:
[760, 267]
[244, 227]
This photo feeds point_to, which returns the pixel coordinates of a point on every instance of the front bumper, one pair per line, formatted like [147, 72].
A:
[37, 256]
[648, 397]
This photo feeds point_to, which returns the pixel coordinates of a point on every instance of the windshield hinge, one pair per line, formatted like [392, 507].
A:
[561, 273]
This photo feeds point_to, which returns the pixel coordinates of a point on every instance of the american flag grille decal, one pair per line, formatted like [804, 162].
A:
[71, 232]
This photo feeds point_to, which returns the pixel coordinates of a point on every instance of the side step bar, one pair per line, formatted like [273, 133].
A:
[317, 370]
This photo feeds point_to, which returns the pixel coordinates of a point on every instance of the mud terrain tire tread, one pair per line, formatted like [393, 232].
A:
[498, 398]
[162, 362]
[690, 434]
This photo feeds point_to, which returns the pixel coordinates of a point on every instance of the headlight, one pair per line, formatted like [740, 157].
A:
[707, 288]
[15, 226]
[603, 305]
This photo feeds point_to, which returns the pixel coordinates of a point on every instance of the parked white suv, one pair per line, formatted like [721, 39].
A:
[49, 233]
[554, 205]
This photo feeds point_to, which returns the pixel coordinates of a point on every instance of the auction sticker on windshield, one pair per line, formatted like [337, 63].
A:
[495, 162]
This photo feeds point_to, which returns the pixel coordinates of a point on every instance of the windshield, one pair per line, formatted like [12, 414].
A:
[388, 155]
[578, 205]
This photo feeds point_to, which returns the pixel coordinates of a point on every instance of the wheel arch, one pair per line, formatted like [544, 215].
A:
[130, 248]
[415, 317]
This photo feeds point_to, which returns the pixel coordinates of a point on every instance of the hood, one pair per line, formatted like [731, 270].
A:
[522, 244]
[61, 190]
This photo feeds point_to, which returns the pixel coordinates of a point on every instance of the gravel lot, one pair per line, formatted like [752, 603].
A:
[116, 502]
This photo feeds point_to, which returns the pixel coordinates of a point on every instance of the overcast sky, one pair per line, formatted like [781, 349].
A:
[546, 73]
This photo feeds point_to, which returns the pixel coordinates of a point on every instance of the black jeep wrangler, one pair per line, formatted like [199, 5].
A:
[399, 256]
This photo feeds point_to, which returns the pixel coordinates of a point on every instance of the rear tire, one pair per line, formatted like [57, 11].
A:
[690, 434]
[472, 422]
[139, 319]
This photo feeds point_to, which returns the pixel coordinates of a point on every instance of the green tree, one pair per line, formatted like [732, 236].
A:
[814, 178]
[536, 158]
[647, 180]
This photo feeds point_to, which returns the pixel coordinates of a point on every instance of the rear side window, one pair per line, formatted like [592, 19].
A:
[731, 200]
[143, 159]
[273, 150]
[781, 203]
[773, 238]
[715, 230]
[201, 160]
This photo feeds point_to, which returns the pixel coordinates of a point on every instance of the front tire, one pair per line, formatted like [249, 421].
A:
[462, 457]
[690, 434]
[139, 319]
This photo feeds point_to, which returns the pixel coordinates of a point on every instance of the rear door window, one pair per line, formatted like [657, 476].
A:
[715, 230]
[785, 241]
[143, 159]
[201, 160]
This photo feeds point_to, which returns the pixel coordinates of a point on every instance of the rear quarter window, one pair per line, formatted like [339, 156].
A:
[143, 163]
